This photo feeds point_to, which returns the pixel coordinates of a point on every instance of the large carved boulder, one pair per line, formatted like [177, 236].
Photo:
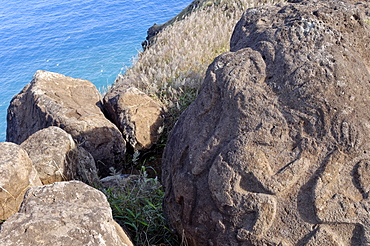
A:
[139, 117]
[53, 99]
[17, 174]
[57, 158]
[275, 150]
[63, 213]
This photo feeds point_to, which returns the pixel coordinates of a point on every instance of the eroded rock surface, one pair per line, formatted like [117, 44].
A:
[138, 116]
[63, 213]
[53, 99]
[17, 174]
[275, 149]
[57, 158]
[118, 180]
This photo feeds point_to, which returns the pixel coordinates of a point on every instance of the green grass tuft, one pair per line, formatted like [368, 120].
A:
[137, 206]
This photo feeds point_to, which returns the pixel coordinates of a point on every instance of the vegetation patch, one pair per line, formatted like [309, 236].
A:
[175, 65]
[137, 207]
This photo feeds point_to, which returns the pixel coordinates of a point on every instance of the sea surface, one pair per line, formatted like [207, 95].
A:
[93, 40]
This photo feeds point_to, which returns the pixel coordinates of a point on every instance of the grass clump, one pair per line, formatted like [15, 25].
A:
[174, 66]
[137, 207]
[181, 54]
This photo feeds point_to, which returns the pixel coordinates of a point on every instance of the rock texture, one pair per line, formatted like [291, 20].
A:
[57, 158]
[119, 180]
[275, 149]
[16, 175]
[53, 99]
[138, 116]
[64, 213]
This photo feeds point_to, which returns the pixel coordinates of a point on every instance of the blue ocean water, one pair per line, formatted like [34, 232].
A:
[93, 40]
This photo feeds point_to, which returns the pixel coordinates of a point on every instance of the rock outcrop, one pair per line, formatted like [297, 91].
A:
[17, 174]
[275, 150]
[53, 99]
[138, 116]
[56, 157]
[63, 213]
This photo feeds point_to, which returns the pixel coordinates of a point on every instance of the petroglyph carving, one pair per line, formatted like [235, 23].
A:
[249, 185]
[274, 150]
[341, 192]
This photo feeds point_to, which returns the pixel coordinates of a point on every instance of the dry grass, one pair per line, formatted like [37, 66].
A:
[173, 68]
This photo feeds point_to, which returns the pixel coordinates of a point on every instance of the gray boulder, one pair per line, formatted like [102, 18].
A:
[64, 213]
[17, 174]
[118, 180]
[274, 150]
[57, 158]
[139, 117]
[53, 99]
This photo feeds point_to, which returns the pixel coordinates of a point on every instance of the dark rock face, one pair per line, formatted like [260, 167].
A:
[56, 157]
[53, 99]
[274, 150]
[17, 175]
[63, 213]
[138, 116]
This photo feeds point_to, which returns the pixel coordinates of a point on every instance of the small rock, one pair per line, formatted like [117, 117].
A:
[118, 180]
[17, 174]
[139, 117]
[57, 158]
